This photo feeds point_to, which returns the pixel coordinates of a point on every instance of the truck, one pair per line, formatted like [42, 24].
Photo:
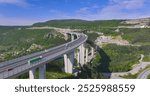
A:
[35, 60]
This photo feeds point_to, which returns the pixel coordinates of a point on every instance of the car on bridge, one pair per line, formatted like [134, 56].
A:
[9, 69]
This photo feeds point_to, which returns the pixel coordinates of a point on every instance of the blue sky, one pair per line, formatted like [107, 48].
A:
[26, 12]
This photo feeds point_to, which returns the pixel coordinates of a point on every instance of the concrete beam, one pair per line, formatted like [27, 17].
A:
[32, 73]
[42, 71]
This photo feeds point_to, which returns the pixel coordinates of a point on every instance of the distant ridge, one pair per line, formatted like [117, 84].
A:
[74, 22]
[77, 22]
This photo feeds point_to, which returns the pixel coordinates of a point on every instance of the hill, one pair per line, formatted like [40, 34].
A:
[17, 41]
[79, 24]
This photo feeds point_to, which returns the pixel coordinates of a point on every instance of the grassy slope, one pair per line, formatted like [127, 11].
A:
[121, 57]
[137, 36]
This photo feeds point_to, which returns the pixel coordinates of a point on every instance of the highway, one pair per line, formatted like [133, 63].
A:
[136, 69]
[144, 74]
[18, 66]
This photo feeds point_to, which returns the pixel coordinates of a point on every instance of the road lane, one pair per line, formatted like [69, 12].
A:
[144, 74]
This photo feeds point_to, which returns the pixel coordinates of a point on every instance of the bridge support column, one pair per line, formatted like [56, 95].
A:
[92, 52]
[32, 73]
[68, 62]
[78, 57]
[72, 37]
[65, 63]
[42, 71]
[86, 59]
[82, 54]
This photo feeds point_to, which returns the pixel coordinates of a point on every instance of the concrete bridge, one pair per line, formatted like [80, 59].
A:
[18, 66]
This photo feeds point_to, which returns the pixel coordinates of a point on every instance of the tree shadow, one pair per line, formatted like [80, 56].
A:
[98, 69]
[103, 68]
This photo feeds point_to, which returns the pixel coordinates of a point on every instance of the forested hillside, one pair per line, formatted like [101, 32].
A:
[19, 41]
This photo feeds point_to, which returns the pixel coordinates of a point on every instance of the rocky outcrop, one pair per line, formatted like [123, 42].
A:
[34, 47]
[110, 40]
[144, 21]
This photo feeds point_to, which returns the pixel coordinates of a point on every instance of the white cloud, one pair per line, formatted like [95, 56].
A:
[115, 9]
[83, 10]
[118, 9]
[15, 2]
[128, 4]
[87, 10]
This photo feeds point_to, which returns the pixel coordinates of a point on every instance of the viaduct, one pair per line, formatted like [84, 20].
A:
[18, 66]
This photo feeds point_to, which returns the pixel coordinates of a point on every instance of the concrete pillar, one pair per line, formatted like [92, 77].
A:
[92, 52]
[65, 63]
[32, 73]
[77, 36]
[72, 37]
[78, 57]
[42, 71]
[68, 62]
[82, 54]
[86, 60]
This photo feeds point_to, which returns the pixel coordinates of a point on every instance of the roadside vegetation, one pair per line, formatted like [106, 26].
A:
[148, 76]
[134, 76]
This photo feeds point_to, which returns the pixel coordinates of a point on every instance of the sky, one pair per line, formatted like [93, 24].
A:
[27, 12]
